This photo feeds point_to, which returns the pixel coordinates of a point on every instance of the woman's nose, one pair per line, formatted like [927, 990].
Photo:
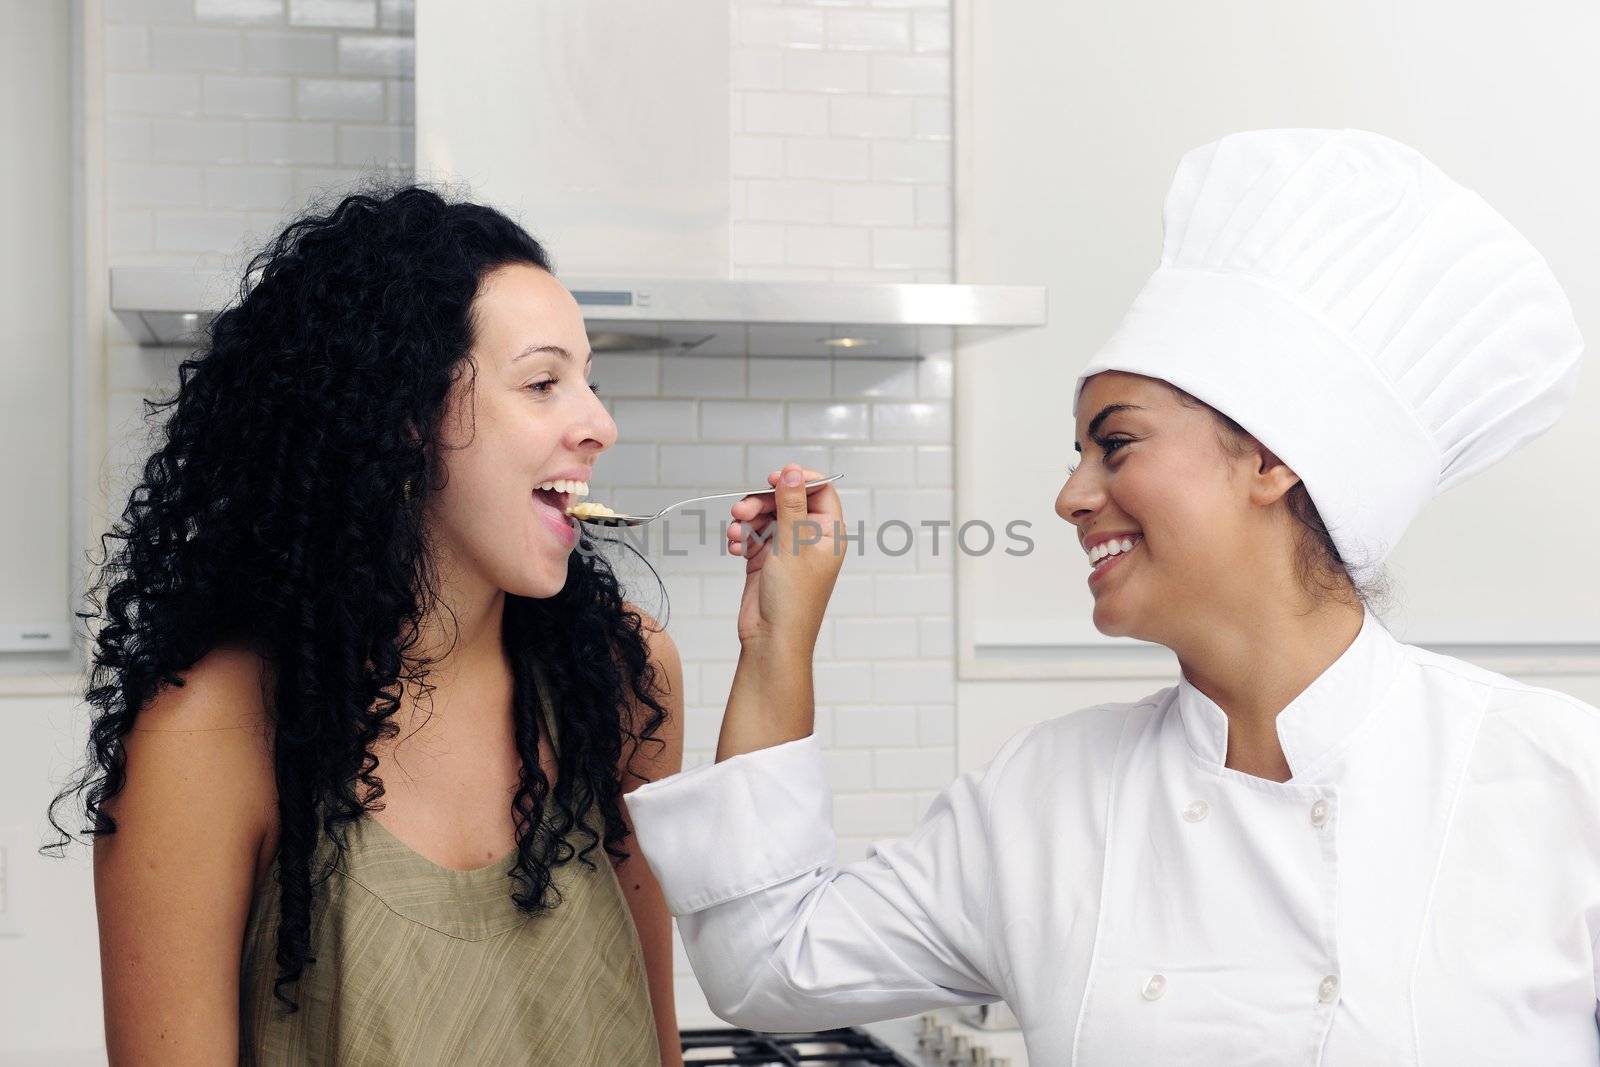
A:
[596, 427]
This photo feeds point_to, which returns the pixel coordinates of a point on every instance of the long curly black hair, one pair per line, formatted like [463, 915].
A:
[278, 511]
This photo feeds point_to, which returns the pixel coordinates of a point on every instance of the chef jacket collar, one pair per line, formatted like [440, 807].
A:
[1315, 725]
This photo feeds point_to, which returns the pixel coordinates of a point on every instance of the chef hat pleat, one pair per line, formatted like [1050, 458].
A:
[1378, 326]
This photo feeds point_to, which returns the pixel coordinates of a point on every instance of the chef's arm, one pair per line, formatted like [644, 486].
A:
[780, 937]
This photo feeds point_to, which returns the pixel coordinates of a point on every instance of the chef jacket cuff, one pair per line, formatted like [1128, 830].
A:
[724, 830]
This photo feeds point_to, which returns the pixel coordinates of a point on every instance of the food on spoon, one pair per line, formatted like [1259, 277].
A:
[589, 510]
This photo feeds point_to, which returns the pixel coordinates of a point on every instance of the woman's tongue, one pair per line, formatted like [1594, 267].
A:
[552, 498]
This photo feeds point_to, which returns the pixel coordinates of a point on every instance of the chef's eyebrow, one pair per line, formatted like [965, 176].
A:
[1105, 413]
[533, 350]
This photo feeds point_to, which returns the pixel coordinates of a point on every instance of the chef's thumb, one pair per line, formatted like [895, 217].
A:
[792, 510]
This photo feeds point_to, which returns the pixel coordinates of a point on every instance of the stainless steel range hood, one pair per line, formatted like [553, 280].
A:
[170, 306]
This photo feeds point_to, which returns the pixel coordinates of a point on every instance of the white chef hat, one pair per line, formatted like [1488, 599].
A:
[1380, 328]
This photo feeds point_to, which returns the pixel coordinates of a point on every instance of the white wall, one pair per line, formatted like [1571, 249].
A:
[207, 120]
[1072, 119]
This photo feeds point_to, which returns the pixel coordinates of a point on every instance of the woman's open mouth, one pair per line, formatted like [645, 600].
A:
[552, 508]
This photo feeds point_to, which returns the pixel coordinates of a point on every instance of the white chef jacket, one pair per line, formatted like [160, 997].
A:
[1425, 889]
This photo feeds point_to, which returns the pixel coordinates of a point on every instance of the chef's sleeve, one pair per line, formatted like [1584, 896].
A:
[780, 937]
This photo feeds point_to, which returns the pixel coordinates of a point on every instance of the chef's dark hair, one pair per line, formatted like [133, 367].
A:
[1322, 571]
[283, 511]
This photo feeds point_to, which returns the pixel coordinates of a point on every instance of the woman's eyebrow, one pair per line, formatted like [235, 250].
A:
[1105, 413]
[533, 350]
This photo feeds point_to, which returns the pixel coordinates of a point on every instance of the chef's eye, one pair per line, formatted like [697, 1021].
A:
[1109, 445]
[542, 387]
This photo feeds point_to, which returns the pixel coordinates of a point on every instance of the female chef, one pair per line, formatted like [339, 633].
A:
[1321, 846]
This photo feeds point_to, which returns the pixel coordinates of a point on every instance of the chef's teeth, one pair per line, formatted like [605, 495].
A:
[563, 485]
[1116, 546]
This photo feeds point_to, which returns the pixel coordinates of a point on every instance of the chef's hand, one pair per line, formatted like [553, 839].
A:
[792, 557]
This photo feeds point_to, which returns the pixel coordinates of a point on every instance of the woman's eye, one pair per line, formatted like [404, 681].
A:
[542, 387]
[595, 386]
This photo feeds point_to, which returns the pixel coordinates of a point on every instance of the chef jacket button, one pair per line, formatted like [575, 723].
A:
[1319, 813]
[1196, 811]
[1328, 991]
[1155, 987]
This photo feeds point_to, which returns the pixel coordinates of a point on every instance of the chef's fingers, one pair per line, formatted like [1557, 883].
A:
[764, 503]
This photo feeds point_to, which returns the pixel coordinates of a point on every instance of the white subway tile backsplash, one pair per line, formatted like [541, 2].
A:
[877, 639]
[875, 465]
[843, 159]
[933, 205]
[870, 116]
[196, 140]
[911, 161]
[127, 48]
[887, 378]
[787, 201]
[921, 422]
[935, 378]
[872, 815]
[200, 231]
[129, 232]
[918, 75]
[663, 420]
[842, 682]
[913, 768]
[361, 146]
[702, 376]
[149, 11]
[291, 142]
[327, 185]
[290, 53]
[128, 139]
[762, 460]
[911, 247]
[934, 466]
[691, 465]
[196, 48]
[915, 594]
[257, 96]
[344, 14]
[791, 378]
[933, 118]
[627, 374]
[756, 68]
[393, 57]
[327, 98]
[930, 31]
[780, 27]
[849, 773]
[397, 14]
[400, 101]
[756, 243]
[873, 725]
[936, 724]
[825, 72]
[785, 113]
[868, 30]
[827, 421]
[869, 205]
[153, 94]
[755, 156]
[156, 185]
[826, 246]
[740, 420]
[626, 463]
[253, 12]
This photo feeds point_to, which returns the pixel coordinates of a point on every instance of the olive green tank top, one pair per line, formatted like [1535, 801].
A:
[420, 964]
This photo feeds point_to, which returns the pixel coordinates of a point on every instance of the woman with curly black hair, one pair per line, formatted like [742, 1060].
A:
[339, 582]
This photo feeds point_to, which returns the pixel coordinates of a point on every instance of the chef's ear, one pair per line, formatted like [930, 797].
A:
[1274, 478]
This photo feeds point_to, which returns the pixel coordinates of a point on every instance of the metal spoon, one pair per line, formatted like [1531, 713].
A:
[640, 520]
